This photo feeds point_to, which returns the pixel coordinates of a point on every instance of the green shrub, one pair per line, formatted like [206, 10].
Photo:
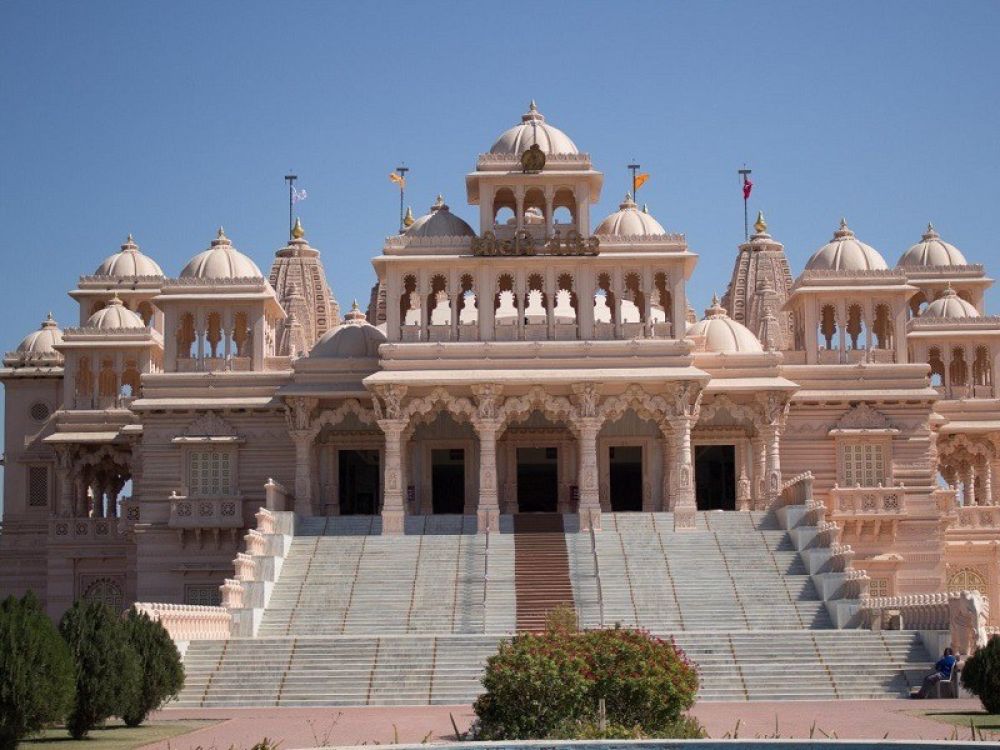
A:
[107, 669]
[36, 671]
[685, 728]
[540, 684]
[160, 662]
[981, 675]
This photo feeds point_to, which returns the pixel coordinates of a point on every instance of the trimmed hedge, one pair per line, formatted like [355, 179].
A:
[160, 663]
[541, 686]
[981, 675]
[36, 671]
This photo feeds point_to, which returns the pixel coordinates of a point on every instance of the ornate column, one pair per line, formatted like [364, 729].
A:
[686, 407]
[759, 471]
[68, 480]
[388, 404]
[669, 450]
[298, 413]
[969, 480]
[587, 423]
[79, 506]
[487, 424]
[993, 471]
[774, 408]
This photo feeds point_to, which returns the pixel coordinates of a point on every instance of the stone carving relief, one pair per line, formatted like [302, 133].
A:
[388, 401]
[863, 417]
[210, 424]
[298, 412]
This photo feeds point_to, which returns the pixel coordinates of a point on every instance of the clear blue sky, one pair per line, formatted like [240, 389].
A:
[168, 119]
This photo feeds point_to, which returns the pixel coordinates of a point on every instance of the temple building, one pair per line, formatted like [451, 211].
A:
[530, 359]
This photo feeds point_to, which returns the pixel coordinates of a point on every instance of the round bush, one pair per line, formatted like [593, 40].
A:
[36, 671]
[981, 675]
[537, 685]
[160, 662]
[107, 669]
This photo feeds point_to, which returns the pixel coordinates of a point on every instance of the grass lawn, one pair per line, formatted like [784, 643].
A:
[114, 736]
[982, 721]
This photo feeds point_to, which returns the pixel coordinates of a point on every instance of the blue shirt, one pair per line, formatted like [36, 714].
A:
[945, 665]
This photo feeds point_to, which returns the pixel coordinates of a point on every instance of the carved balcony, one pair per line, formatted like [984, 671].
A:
[198, 517]
[84, 530]
[868, 513]
[977, 518]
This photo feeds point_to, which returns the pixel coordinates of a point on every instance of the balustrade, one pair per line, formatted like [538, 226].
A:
[205, 512]
[978, 517]
[98, 530]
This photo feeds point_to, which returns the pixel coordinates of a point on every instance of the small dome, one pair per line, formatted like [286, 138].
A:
[128, 263]
[114, 316]
[354, 338]
[950, 305]
[440, 222]
[221, 261]
[533, 129]
[845, 252]
[40, 344]
[932, 251]
[723, 335]
[629, 221]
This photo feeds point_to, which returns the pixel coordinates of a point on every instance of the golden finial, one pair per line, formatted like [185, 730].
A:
[297, 231]
[408, 219]
[760, 225]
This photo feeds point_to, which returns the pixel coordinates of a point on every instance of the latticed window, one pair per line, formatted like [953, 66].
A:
[207, 595]
[38, 486]
[106, 591]
[879, 587]
[210, 473]
[967, 579]
[864, 464]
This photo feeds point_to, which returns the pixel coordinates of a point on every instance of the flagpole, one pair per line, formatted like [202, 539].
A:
[744, 173]
[634, 168]
[290, 179]
[401, 171]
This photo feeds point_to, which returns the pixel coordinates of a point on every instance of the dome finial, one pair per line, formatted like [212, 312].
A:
[297, 231]
[645, 208]
[760, 225]
[408, 219]
[931, 232]
[49, 321]
[439, 204]
[532, 107]
[221, 234]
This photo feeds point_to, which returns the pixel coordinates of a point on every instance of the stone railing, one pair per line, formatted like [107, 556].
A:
[868, 501]
[977, 517]
[97, 530]
[189, 622]
[276, 498]
[962, 615]
[919, 611]
[205, 512]
[798, 490]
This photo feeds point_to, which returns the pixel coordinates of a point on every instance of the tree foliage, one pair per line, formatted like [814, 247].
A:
[538, 685]
[981, 675]
[160, 662]
[36, 671]
[106, 667]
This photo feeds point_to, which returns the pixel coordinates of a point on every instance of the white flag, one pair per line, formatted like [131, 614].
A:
[298, 195]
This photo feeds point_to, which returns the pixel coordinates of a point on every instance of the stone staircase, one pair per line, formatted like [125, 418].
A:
[360, 619]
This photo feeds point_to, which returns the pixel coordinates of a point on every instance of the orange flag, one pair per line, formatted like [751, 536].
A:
[640, 180]
[399, 180]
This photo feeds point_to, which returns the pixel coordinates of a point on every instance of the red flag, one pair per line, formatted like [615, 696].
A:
[747, 187]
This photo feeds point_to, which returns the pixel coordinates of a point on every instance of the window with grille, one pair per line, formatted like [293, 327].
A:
[878, 587]
[38, 486]
[967, 579]
[210, 473]
[864, 464]
[39, 411]
[206, 595]
[106, 591]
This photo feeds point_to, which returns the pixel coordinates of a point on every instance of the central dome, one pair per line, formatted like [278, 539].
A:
[722, 334]
[845, 252]
[440, 222]
[221, 261]
[128, 263]
[533, 129]
[629, 221]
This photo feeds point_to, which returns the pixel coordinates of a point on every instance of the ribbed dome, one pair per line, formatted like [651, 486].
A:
[41, 344]
[722, 334]
[440, 222]
[113, 316]
[354, 338]
[221, 261]
[950, 305]
[932, 251]
[533, 129]
[845, 252]
[128, 263]
[629, 221]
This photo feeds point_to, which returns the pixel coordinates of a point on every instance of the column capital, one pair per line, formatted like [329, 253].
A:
[486, 427]
[588, 426]
[388, 401]
[488, 401]
[393, 427]
[298, 412]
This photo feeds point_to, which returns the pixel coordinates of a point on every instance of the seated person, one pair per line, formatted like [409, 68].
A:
[942, 671]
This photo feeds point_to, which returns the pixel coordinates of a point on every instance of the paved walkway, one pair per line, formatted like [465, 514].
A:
[314, 727]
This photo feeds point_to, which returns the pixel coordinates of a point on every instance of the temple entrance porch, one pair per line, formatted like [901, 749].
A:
[537, 480]
[625, 477]
[715, 477]
[358, 479]
[448, 480]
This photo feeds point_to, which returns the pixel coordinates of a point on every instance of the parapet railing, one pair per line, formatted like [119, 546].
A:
[189, 622]
[597, 577]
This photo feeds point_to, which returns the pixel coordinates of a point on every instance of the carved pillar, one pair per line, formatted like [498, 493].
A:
[743, 491]
[759, 471]
[772, 440]
[97, 495]
[393, 511]
[303, 440]
[985, 483]
[590, 500]
[67, 484]
[79, 506]
[685, 505]
[667, 496]
[488, 511]
[994, 474]
[969, 495]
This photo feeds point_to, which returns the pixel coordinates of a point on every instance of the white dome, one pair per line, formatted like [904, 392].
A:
[932, 251]
[845, 252]
[221, 261]
[114, 316]
[41, 344]
[723, 335]
[128, 263]
[355, 338]
[533, 129]
[950, 305]
[440, 222]
[629, 221]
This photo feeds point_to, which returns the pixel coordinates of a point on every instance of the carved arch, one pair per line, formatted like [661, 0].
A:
[333, 417]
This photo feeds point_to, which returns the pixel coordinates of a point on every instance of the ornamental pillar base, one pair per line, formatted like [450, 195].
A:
[488, 519]
[685, 518]
[393, 521]
[590, 519]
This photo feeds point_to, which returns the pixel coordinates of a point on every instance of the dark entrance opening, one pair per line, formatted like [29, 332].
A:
[448, 480]
[537, 480]
[626, 477]
[715, 477]
[359, 477]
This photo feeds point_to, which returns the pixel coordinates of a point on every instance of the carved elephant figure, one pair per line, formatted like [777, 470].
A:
[968, 613]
